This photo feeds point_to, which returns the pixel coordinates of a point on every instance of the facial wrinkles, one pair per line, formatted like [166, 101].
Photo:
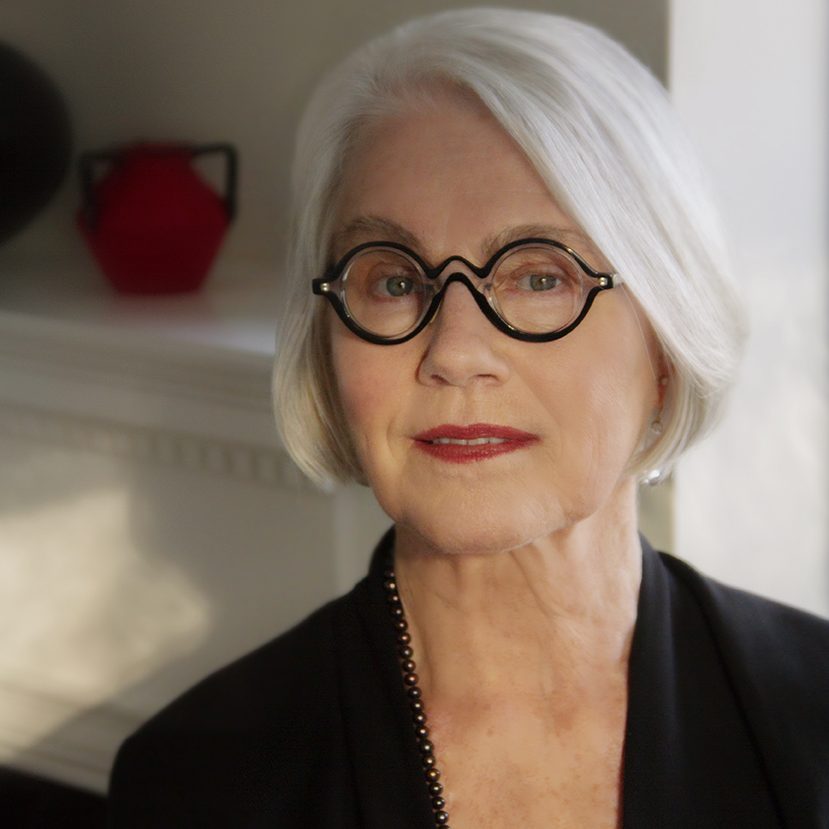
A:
[443, 181]
[452, 202]
[522, 580]
[592, 443]
[370, 228]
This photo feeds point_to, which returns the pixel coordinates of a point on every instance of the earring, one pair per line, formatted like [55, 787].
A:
[652, 477]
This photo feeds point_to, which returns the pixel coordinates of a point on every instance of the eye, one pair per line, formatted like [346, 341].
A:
[535, 272]
[382, 275]
[397, 286]
[538, 282]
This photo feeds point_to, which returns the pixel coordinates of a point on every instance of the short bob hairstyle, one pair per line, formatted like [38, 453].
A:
[600, 131]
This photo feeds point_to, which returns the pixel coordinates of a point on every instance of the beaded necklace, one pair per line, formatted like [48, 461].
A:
[410, 678]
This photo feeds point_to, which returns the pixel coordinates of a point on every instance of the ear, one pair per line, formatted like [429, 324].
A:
[664, 377]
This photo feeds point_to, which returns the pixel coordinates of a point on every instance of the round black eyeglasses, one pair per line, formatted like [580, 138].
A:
[536, 290]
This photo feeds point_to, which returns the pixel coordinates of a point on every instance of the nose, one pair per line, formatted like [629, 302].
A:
[463, 346]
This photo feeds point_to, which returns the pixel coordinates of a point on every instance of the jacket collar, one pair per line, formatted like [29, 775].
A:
[689, 759]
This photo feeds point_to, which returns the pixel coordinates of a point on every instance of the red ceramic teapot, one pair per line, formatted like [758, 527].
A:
[152, 223]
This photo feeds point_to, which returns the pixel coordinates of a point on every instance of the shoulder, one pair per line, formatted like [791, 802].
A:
[776, 659]
[225, 741]
[781, 639]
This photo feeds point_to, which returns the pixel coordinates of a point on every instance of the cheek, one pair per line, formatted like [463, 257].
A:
[599, 407]
[624, 403]
[354, 387]
[367, 377]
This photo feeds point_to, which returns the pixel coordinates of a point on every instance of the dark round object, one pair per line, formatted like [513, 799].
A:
[35, 140]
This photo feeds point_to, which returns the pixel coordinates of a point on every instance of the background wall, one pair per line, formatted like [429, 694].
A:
[751, 79]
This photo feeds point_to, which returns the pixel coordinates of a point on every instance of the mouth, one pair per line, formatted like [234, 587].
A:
[461, 442]
[475, 442]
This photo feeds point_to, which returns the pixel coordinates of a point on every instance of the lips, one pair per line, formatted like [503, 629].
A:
[475, 442]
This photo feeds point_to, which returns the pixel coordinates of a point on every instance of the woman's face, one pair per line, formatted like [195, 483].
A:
[446, 181]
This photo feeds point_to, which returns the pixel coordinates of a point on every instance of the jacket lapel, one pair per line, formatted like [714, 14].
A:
[391, 791]
[690, 760]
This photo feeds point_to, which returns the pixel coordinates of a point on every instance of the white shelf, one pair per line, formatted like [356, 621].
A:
[228, 314]
[199, 363]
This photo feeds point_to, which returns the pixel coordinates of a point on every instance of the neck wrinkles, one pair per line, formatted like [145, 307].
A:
[527, 623]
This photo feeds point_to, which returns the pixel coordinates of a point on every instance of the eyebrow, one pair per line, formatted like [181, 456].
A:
[375, 228]
[372, 228]
[566, 235]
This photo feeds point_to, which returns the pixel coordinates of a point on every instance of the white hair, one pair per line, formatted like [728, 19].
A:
[600, 131]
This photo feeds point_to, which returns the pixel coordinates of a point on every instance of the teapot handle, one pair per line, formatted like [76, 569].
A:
[86, 165]
[231, 172]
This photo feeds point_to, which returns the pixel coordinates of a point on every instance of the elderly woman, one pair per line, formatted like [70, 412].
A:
[509, 307]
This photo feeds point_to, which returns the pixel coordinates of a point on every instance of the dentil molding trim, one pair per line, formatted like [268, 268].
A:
[263, 466]
[137, 394]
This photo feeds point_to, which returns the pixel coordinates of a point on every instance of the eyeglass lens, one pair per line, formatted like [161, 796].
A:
[536, 289]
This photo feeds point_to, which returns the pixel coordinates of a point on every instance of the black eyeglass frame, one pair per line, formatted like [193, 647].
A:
[324, 286]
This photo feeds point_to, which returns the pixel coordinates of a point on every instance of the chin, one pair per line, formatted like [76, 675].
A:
[482, 531]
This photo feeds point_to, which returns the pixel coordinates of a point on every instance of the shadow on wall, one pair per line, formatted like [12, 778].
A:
[126, 584]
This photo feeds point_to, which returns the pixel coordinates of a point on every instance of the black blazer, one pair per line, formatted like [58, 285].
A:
[728, 722]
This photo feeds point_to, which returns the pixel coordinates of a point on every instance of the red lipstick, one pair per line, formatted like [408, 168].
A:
[476, 442]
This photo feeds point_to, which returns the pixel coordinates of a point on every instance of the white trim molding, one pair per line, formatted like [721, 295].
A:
[263, 466]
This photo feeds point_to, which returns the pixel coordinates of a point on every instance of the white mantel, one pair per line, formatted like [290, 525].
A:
[151, 528]
[183, 350]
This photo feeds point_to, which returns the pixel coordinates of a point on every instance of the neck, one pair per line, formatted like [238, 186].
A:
[529, 622]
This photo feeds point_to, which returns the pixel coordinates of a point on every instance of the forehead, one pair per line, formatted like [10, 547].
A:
[375, 228]
[446, 180]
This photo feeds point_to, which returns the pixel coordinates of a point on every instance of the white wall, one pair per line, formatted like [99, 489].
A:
[750, 79]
